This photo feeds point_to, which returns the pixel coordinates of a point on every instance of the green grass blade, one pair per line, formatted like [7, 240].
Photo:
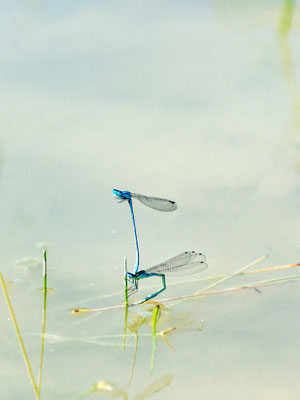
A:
[286, 16]
[45, 289]
[126, 304]
[21, 343]
[154, 323]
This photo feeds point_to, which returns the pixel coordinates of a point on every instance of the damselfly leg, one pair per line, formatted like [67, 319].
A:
[133, 284]
[144, 275]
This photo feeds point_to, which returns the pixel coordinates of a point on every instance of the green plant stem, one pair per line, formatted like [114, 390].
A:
[286, 16]
[126, 304]
[154, 323]
[45, 289]
[21, 343]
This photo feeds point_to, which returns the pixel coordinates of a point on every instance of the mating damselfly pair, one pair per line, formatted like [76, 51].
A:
[188, 262]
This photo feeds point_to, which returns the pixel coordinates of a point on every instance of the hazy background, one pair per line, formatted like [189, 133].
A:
[194, 101]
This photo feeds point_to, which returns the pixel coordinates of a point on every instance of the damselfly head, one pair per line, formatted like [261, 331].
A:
[121, 196]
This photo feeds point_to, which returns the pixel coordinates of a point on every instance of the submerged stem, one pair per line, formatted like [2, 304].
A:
[154, 323]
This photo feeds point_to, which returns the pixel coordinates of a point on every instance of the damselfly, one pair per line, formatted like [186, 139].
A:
[156, 203]
[185, 263]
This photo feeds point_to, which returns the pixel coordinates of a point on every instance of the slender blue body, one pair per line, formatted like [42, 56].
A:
[127, 196]
[187, 262]
[137, 265]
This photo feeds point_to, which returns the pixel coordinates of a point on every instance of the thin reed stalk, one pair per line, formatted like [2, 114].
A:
[19, 336]
[126, 304]
[45, 289]
[225, 278]
[254, 285]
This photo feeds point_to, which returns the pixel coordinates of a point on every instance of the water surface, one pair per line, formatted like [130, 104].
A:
[194, 102]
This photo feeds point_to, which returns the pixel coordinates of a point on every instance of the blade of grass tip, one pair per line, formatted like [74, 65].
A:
[88, 310]
[126, 304]
[286, 16]
[21, 343]
[274, 280]
[218, 282]
[154, 323]
[45, 289]
[45, 270]
[268, 269]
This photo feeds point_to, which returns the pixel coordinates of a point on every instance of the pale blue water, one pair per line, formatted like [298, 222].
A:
[194, 102]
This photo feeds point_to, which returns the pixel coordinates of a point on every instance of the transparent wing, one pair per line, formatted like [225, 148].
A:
[185, 263]
[156, 203]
